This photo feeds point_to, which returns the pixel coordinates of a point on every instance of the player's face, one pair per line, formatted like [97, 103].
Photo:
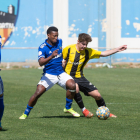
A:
[82, 45]
[53, 36]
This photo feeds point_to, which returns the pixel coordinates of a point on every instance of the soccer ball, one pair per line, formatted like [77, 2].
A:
[102, 113]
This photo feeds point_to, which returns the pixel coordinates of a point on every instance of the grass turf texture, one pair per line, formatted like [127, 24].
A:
[119, 87]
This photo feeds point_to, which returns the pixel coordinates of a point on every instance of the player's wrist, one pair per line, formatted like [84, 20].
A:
[51, 56]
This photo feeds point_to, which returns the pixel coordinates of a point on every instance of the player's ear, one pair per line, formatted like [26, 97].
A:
[48, 35]
[78, 41]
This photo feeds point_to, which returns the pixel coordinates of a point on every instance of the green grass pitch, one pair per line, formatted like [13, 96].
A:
[119, 87]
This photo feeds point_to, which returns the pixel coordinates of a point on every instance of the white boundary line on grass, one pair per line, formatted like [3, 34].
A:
[122, 103]
[72, 103]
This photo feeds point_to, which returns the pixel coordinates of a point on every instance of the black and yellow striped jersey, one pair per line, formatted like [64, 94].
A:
[75, 60]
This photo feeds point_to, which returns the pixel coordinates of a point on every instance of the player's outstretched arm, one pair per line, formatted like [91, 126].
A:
[109, 52]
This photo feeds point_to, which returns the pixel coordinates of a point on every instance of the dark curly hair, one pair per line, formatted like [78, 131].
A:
[52, 28]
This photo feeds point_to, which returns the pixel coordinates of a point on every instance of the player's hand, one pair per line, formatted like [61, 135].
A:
[55, 53]
[63, 63]
[122, 48]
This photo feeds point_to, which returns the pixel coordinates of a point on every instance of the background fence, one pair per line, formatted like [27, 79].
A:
[110, 23]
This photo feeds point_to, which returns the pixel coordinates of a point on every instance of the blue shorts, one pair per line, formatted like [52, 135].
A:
[1, 86]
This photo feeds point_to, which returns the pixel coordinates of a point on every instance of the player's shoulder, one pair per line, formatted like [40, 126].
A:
[42, 45]
[90, 49]
[71, 46]
[59, 39]
[60, 42]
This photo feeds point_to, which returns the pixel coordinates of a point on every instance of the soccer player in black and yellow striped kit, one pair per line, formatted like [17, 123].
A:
[75, 58]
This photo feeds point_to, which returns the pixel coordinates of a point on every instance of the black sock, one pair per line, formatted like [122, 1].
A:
[100, 102]
[78, 99]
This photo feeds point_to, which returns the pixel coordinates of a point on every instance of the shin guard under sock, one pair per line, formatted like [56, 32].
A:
[100, 102]
[78, 99]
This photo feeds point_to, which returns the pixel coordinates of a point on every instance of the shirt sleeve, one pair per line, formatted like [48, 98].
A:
[94, 53]
[41, 53]
[65, 52]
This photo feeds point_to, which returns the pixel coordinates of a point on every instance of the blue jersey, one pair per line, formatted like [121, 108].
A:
[54, 66]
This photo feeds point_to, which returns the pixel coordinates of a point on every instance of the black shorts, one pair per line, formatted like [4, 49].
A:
[84, 85]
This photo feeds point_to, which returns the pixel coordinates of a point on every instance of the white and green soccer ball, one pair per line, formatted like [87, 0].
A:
[103, 113]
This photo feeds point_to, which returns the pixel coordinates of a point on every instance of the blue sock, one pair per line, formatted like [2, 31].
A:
[27, 110]
[1, 107]
[68, 103]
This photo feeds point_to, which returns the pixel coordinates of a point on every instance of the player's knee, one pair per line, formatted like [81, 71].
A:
[70, 85]
[1, 95]
[37, 94]
[96, 95]
[77, 88]
[39, 91]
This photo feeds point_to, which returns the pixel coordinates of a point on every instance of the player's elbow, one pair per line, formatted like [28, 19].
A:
[40, 63]
[103, 54]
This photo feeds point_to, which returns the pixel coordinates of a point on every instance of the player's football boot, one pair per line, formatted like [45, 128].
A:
[71, 111]
[112, 115]
[87, 113]
[0, 126]
[23, 116]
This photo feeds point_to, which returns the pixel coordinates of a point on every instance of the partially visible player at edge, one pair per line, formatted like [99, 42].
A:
[50, 55]
[1, 91]
[75, 58]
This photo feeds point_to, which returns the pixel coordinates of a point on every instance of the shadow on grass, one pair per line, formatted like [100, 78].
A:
[55, 117]
[60, 117]
[3, 130]
[70, 117]
[65, 117]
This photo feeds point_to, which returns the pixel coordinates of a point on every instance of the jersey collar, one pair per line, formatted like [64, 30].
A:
[49, 44]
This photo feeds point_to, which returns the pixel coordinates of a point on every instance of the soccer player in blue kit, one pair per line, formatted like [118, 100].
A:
[50, 55]
[1, 93]
[1, 101]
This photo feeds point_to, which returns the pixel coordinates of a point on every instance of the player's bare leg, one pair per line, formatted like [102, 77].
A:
[70, 93]
[39, 91]
[71, 89]
[99, 100]
[79, 101]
